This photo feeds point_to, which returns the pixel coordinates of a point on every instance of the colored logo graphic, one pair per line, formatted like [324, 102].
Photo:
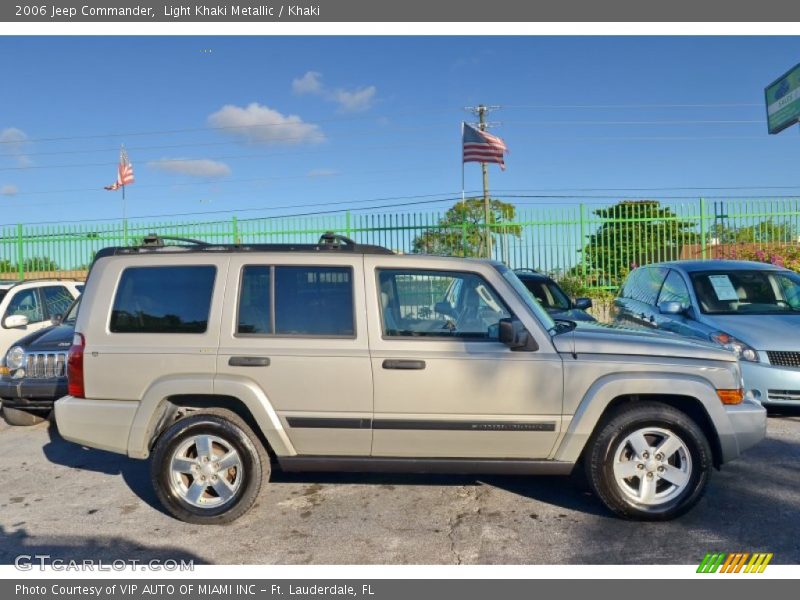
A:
[737, 562]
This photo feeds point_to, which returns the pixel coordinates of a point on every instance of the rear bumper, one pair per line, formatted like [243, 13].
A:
[748, 426]
[103, 424]
[772, 385]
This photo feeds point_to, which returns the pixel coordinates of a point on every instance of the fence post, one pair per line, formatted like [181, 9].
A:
[20, 253]
[124, 232]
[235, 224]
[347, 224]
[703, 228]
[464, 236]
[582, 249]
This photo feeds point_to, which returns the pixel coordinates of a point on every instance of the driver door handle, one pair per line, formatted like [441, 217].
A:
[248, 361]
[404, 365]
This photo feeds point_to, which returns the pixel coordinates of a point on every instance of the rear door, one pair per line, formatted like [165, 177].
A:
[295, 326]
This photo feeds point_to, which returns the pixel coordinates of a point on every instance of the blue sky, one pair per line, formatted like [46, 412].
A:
[343, 120]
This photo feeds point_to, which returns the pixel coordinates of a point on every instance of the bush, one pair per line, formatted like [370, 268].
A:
[780, 255]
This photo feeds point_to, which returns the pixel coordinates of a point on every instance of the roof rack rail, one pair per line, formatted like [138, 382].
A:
[527, 270]
[328, 242]
[153, 239]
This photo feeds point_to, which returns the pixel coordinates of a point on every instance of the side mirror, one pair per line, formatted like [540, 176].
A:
[582, 303]
[670, 308]
[444, 308]
[15, 321]
[57, 319]
[513, 334]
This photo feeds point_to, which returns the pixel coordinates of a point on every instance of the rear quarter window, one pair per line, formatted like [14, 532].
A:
[163, 299]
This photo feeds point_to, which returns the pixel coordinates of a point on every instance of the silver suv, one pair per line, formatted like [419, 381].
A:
[220, 363]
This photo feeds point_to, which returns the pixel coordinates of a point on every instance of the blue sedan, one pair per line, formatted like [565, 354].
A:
[753, 309]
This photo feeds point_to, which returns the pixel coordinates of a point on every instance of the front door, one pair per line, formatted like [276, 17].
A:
[445, 387]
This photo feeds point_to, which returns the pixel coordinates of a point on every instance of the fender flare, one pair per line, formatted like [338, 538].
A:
[153, 403]
[605, 389]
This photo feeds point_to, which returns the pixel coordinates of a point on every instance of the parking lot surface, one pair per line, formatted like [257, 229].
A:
[75, 503]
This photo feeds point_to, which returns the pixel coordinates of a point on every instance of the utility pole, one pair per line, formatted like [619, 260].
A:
[481, 111]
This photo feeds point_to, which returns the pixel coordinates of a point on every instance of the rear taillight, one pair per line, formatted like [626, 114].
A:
[75, 367]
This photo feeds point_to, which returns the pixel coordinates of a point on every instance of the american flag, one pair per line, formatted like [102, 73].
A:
[483, 147]
[124, 172]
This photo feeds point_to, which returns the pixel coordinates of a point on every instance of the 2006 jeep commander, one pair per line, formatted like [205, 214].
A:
[218, 361]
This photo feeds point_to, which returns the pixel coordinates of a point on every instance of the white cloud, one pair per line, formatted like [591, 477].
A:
[261, 124]
[323, 172]
[8, 190]
[355, 100]
[13, 142]
[194, 167]
[310, 83]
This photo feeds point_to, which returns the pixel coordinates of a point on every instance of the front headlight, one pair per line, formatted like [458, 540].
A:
[15, 358]
[742, 350]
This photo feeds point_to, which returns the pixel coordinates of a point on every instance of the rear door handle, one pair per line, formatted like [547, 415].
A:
[248, 361]
[404, 365]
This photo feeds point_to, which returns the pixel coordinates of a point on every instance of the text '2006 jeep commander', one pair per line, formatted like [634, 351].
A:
[218, 362]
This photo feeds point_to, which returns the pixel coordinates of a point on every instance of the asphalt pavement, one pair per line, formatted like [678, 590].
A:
[76, 503]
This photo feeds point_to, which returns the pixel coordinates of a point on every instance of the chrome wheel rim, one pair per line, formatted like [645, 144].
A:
[205, 471]
[652, 466]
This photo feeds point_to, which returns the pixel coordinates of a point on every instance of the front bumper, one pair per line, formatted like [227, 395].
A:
[35, 395]
[748, 426]
[772, 385]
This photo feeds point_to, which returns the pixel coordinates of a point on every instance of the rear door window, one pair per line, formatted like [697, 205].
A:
[163, 299]
[314, 301]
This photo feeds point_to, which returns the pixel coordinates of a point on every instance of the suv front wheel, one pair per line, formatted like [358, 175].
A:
[649, 461]
[208, 468]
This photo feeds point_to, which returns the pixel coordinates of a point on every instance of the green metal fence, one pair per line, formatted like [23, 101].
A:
[596, 244]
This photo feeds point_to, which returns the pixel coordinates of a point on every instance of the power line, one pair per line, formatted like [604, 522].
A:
[211, 128]
[636, 106]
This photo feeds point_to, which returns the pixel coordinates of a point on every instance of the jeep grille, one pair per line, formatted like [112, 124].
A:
[46, 365]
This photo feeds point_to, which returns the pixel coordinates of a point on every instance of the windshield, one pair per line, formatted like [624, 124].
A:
[526, 297]
[547, 293]
[72, 313]
[747, 292]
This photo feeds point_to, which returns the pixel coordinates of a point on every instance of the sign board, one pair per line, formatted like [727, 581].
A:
[782, 97]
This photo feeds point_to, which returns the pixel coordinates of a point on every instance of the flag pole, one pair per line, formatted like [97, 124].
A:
[124, 218]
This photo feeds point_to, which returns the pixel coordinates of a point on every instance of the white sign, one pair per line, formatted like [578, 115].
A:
[723, 287]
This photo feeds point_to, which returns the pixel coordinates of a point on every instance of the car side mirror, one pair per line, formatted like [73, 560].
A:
[513, 334]
[582, 303]
[444, 308]
[57, 319]
[15, 321]
[671, 308]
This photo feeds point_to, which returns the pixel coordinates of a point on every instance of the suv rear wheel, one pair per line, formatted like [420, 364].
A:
[649, 461]
[208, 468]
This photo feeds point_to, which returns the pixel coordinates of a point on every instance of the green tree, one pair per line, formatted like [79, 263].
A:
[462, 232]
[633, 233]
[764, 232]
[39, 263]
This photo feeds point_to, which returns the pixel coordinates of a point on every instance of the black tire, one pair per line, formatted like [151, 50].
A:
[229, 427]
[600, 456]
[23, 418]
